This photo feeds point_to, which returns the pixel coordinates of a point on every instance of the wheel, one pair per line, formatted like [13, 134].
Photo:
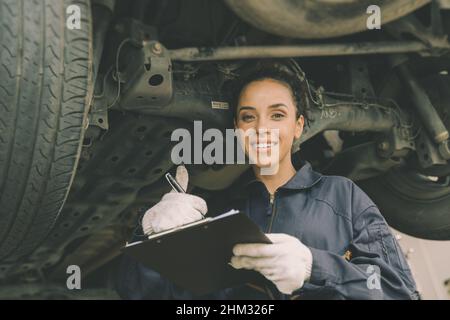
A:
[413, 203]
[45, 76]
[413, 200]
[317, 19]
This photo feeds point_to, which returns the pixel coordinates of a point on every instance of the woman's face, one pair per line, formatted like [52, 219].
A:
[267, 108]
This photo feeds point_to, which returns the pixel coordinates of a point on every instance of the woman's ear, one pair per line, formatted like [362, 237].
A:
[299, 127]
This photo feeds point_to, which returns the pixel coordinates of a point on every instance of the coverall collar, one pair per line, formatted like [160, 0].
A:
[304, 178]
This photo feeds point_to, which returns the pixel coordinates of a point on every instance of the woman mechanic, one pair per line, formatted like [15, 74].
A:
[329, 240]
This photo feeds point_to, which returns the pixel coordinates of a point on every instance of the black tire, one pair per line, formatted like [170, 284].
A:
[412, 203]
[45, 76]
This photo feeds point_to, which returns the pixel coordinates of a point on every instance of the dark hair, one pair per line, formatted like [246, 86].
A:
[275, 70]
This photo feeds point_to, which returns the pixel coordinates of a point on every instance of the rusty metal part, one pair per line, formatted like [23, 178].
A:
[348, 117]
[317, 19]
[444, 149]
[150, 78]
[306, 50]
[396, 143]
[360, 162]
[421, 102]
[413, 26]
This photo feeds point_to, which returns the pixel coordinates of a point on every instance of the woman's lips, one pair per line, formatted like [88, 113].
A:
[263, 146]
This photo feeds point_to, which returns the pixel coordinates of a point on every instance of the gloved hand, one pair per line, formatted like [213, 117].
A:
[286, 262]
[174, 209]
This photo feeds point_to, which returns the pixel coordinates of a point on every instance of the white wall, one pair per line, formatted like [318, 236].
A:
[430, 264]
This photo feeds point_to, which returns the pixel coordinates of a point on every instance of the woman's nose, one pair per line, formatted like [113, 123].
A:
[265, 126]
[261, 125]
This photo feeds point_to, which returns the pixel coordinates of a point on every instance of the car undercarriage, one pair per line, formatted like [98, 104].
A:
[378, 113]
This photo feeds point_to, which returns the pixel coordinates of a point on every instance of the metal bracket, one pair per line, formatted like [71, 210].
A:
[99, 119]
[427, 152]
[359, 78]
[397, 142]
[150, 85]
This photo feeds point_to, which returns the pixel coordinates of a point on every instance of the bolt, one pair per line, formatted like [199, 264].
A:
[157, 48]
[383, 145]
[85, 155]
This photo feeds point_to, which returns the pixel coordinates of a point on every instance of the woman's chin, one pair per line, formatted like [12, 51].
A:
[266, 162]
[263, 158]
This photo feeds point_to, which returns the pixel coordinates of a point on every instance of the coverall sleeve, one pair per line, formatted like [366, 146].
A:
[375, 267]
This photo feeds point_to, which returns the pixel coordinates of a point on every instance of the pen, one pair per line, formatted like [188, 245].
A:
[174, 183]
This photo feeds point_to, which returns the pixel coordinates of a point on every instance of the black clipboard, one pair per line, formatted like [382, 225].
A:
[196, 256]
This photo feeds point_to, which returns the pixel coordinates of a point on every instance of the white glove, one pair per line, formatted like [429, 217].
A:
[174, 209]
[286, 262]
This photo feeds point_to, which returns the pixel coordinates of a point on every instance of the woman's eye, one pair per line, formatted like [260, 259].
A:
[247, 117]
[278, 116]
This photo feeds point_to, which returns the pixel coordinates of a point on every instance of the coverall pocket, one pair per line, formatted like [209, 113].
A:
[385, 244]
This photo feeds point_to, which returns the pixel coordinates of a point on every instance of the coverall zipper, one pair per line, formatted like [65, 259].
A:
[273, 212]
[272, 216]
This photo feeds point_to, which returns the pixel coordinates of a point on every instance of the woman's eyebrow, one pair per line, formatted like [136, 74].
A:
[276, 105]
[273, 106]
[246, 108]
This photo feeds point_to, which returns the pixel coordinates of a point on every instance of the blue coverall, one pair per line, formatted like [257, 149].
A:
[349, 239]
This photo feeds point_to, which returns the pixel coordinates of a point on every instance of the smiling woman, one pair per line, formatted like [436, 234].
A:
[327, 237]
[268, 102]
